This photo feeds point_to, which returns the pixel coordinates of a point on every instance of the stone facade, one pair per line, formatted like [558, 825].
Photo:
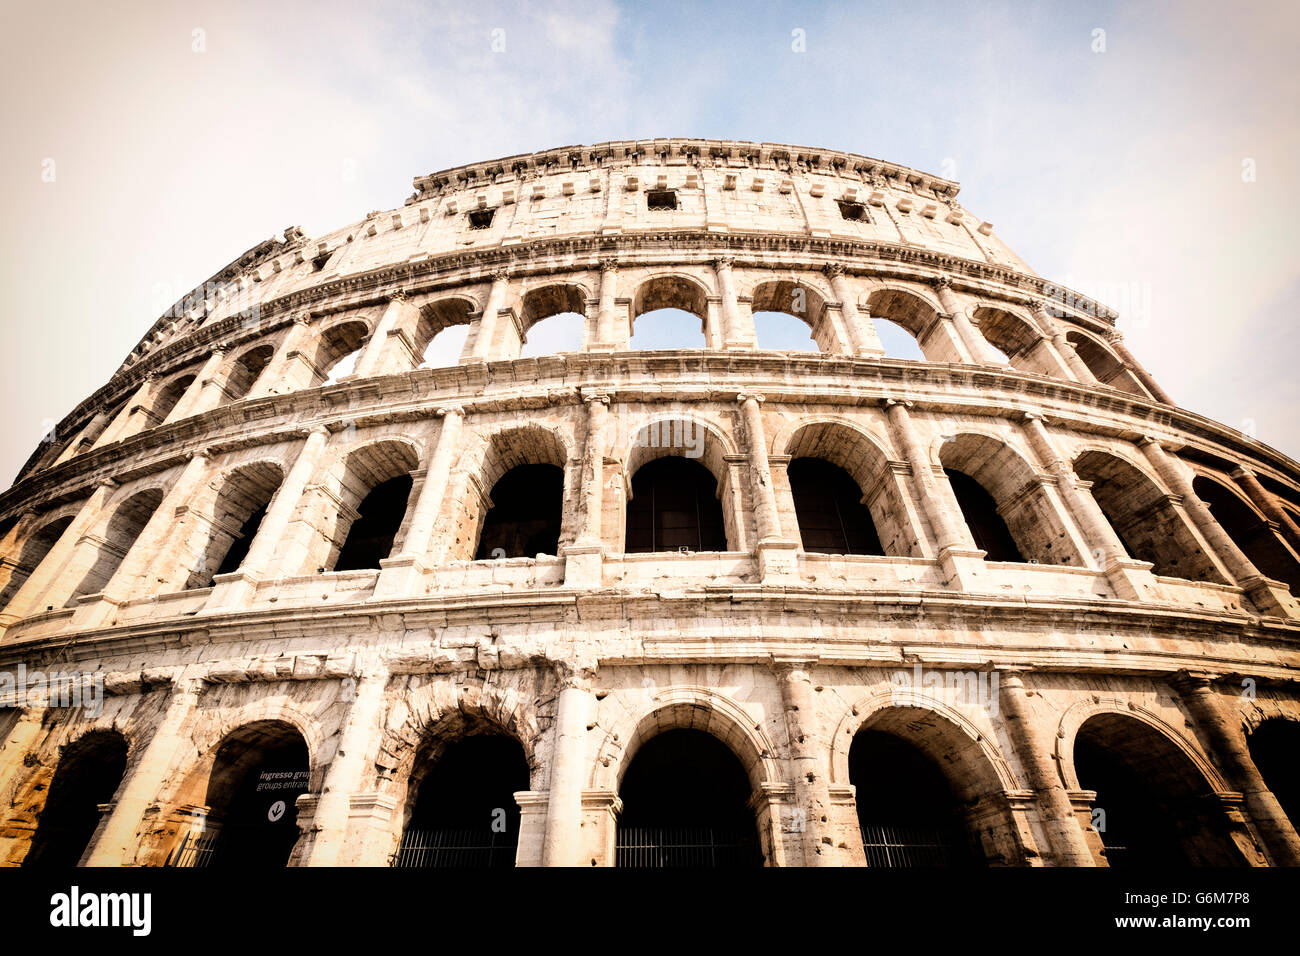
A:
[1147, 617]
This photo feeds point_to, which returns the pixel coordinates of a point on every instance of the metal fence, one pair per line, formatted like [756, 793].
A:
[197, 849]
[457, 849]
[704, 848]
[891, 846]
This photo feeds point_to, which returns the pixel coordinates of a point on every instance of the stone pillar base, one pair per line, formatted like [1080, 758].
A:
[532, 826]
[1271, 597]
[94, 610]
[778, 561]
[963, 568]
[230, 592]
[399, 576]
[582, 565]
[1133, 580]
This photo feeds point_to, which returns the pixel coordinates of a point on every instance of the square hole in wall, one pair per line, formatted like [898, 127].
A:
[481, 218]
[854, 211]
[320, 261]
[661, 199]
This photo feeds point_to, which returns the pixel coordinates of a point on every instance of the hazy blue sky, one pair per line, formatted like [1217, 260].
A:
[1117, 172]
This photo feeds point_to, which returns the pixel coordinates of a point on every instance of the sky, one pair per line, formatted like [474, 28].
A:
[1143, 153]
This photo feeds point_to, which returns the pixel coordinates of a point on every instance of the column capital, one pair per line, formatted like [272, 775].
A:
[453, 411]
[575, 673]
[1114, 336]
[1241, 471]
[833, 269]
[596, 398]
[1034, 416]
[1147, 441]
[1037, 305]
[220, 348]
[900, 402]
[314, 430]
[744, 397]
[203, 454]
[793, 668]
[106, 483]
[500, 275]
[942, 281]
[608, 263]
[302, 318]
[397, 296]
[724, 262]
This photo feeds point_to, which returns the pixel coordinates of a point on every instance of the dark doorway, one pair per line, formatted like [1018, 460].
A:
[1250, 532]
[906, 809]
[686, 804]
[828, 504]
[89, 773]
[465, 814]
[370, 539]
[239, 547]
[527, 504]
[1275, 748]
[674, 507]
[990, 532]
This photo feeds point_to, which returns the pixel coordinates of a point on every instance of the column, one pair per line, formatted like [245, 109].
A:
[971, 336]
[204, 392]
[236, 588]
[1066, 837]
[397, 573]
[486, 333]
[1266, 503]
[130, 578]
[1131, 579]
[1116, 339]
[863, 339]
[11, 546]
[290, 368]
[811, 787]
[377, 357]
[776, 555]
[345, 774]
[733, 334]
[1271, 597]
[582, 563]
[607, 336]
[562, 844]
[124, 424]
[21, 740]
[1229, 745]
[45, 575]
[1078, 368]
[119, 839]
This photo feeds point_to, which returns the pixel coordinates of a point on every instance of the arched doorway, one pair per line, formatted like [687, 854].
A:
[828, 504]
[88, 774]
[1275, 747]
[258, 773]
[527, 509]
[464, 814]
[907, 811]
[674, 507]
[980, 510]
[1153, 805]
[380, 514]
[686, 804]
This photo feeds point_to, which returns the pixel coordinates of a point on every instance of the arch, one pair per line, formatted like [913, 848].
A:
[1017, 338]
[671, 294]
[245, 370]
[846, 445]
[525, 515]
[437, 317]
[1249, 530]
[121, 532]
[239, 501]
[169, 396]
[1274, 744]
[335, 345]
[1154, 802]
[89, 772]
[673, 506]
[800, 300]
[375, 491]
[557, 298]
[1106, 367]
[1009, 514]
[916, 313]
[34, 550]
[829, 509]
[1143, 516]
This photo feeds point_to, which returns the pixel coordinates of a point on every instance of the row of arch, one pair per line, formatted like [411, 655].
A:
[929, 791]
[511, 492]
[666, 311]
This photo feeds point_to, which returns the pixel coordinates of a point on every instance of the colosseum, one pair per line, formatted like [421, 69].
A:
[305, 585]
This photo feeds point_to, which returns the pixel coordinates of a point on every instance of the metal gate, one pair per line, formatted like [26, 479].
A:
[701, 848]
[197, 849]
[892, 846]
[458, 849]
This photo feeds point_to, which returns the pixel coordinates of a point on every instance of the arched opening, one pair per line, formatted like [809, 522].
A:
[240, 505]
[442, 331]
[980, 510]
[1250, 531]
[897, 342]
[1144, 519]
[918, 318]
[1153, 806]
[1104, 365]
[379, 516]
[907, 812]
[1022, 344]
[553, 318]
[245, 371]
[169, 397]
[669, 312]
[1274, 747]
[374, 493]
[524, 520]
[464, 812]
[1009, 513]
[258, 773]
[686, 804]
[337, 352]
[124, 527]
[88, 774]
[674, 507]
[828, 504]
[33, 552]
[791, 317]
